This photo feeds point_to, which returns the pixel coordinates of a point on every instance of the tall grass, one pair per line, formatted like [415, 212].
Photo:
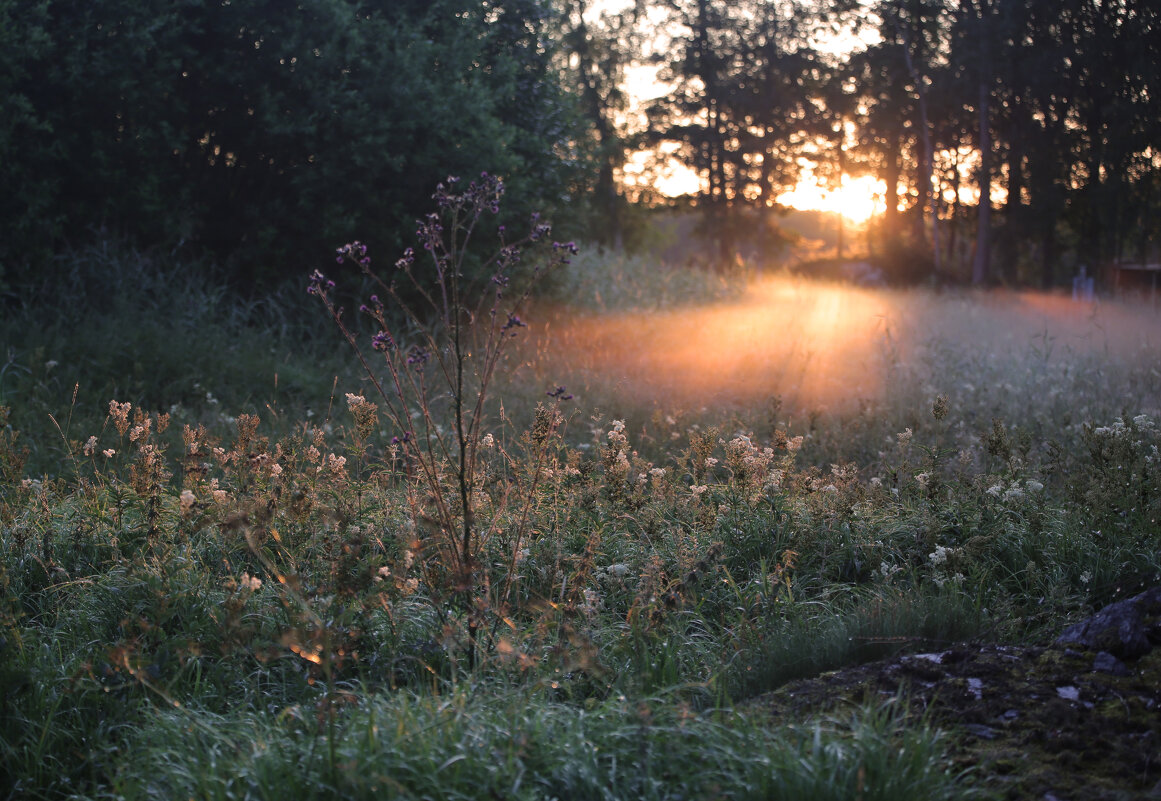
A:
[249, 597]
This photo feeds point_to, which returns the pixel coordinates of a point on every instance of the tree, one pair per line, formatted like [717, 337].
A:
[742, 106]
[264, 133]
[597, 46]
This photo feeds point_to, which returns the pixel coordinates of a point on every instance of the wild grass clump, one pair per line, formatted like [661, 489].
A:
[485, 742]
[162, 334]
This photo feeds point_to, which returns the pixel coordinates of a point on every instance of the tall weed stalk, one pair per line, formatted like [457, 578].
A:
[439, 339]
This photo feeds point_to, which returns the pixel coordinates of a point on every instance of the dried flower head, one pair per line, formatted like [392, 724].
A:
[940, 407]
[120, 414]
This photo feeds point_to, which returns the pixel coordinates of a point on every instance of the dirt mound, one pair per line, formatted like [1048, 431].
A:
[1060, 722]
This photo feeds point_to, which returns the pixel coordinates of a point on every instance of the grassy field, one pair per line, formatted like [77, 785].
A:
[228, 574]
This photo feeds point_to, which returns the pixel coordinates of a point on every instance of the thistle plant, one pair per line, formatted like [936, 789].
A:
[439, 338]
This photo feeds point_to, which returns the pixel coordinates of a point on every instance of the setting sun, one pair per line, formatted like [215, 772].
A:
[857, 199]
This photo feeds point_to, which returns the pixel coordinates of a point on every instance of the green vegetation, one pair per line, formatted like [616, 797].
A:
[261, 134]
[254, 592]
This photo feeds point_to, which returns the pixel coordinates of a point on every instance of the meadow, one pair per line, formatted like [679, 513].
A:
[235, 568]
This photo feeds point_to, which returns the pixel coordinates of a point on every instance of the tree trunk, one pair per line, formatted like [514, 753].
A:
[981, 264]
[892, 171]
[926, 167]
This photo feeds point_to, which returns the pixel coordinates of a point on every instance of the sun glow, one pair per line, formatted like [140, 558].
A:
[813, 344]
[857, 199]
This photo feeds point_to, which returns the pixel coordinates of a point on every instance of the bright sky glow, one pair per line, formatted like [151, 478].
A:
[857, 199]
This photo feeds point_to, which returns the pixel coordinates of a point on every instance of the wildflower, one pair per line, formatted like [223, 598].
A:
[941, 579]
[698, 489]
[923, 479]
[382, 573]
[251, 583]
[710, 462]
[319, 283]
[410, 586]
[1033, 486]
[418, 358]
[940, 407]
[514, 321]
[592, 602]
[657, 472]
[30, 484]
[488, 440]
[794, 443]
[187, 501]
[1086, 577]
[940, 555]
[619, 570]
[904, 437]
[995, 490]
[886, 571]
[120, 414]
[876, 481]
[108, 453]
[275, 469]
[90, 446]
[618, 427]
[140, 431]
[1013, 493]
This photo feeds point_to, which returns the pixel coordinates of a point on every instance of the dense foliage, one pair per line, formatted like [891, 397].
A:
[265, 134]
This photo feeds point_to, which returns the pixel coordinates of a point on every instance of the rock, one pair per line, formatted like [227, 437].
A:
[1107, 663]
[981, 731]
[1123, 629]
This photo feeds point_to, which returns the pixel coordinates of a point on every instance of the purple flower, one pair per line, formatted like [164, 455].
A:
[513, 322]
[418, 357]
[318, 284]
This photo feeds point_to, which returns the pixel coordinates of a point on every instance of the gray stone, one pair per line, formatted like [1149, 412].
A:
[1107, 663]
[1122, 629]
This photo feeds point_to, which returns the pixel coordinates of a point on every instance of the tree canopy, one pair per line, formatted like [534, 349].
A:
[265, 133]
